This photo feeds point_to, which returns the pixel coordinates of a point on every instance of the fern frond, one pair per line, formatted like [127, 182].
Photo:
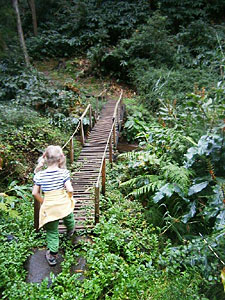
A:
[147, 188]
[131, 182]
[176, 174]
[137, 180]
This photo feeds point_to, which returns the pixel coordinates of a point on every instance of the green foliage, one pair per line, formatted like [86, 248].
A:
[84, 24]
[183, 12]
[24, 135]
[31, 88]
[150, 42]
[162, 86]
[17, 234]
[169, 176]
[7, 27]
[124, 261]
[174, 58]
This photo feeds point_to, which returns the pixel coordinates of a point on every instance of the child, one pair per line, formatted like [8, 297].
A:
[58, 202]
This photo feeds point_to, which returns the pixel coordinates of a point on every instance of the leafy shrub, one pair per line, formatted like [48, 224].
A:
[7, 27]
[158, 86]
[24, 135]
[124, 261]
[184, 12]
[199, 37]
[84, 24]
[150, 41]
[31, 88]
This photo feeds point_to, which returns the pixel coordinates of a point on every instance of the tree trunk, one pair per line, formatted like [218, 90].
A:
[20, 32]
[34, 16]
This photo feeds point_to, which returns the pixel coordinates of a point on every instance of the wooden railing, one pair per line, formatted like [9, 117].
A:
[89, 109]
[71, 143]
[112, 140]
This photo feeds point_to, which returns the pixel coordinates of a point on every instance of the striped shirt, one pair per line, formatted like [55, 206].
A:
[51, 180]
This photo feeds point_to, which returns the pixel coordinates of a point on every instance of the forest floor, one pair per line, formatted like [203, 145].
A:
[75, 75]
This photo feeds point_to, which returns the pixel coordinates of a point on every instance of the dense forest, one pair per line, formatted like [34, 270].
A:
[162, 223]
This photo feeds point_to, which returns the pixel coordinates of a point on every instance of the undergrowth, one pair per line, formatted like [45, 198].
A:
[127, 259]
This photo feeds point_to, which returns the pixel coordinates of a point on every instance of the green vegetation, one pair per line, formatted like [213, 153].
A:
[128, 259]
[161, 233]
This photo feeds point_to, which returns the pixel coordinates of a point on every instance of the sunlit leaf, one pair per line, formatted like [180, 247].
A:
[197, 188]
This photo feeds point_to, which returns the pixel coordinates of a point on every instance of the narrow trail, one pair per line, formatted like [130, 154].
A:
[89, 161]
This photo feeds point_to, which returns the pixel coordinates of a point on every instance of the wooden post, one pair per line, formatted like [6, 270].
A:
[71, 150]
[117, 117]
[120, 115]
[82, 132]
[114, 133]
[90, 118]
[97, 194]
[110, 150]
[103, 177]
[97, 99]
[36, 214]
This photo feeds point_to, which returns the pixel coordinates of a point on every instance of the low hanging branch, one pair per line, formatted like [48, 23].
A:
[20, 32]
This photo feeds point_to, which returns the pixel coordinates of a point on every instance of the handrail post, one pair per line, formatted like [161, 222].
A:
[36, 214]
[97, 194]
[120, 111]
[110, 150]
[114, 133]
[90, 117]
[82, 131]
[103, 177]
[97, 100]
[71, 150]
[117, 116]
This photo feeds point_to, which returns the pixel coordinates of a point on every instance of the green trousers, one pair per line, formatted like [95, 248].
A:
[52, 232]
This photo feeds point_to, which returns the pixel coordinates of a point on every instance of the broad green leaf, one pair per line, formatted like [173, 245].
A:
[191, 152]
[197, 188]
[190, 214]
[166, 190]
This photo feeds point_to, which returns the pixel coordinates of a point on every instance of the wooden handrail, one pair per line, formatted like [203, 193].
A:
[75, 131]
[81, 119]
[70, 140]
[102, 169]
[109, 137]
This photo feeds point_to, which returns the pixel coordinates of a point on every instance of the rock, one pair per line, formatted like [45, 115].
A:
[38, 267]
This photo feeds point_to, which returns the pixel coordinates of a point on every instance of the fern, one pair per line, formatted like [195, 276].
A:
[149, 183]
[131, 182]
[144, 190]
[140, 178]
[179, 175]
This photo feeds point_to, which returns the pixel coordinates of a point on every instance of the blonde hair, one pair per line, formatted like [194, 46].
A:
[52, 155]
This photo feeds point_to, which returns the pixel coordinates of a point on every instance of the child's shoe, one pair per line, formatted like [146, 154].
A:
[51, 259]
[70, 233]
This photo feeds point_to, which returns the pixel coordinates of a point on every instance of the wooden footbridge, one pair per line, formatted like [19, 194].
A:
[89, 178]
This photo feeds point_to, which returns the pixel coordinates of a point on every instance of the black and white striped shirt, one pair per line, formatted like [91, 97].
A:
[51, 180]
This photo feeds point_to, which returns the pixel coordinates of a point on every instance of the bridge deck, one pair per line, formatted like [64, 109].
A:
[89, 162]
